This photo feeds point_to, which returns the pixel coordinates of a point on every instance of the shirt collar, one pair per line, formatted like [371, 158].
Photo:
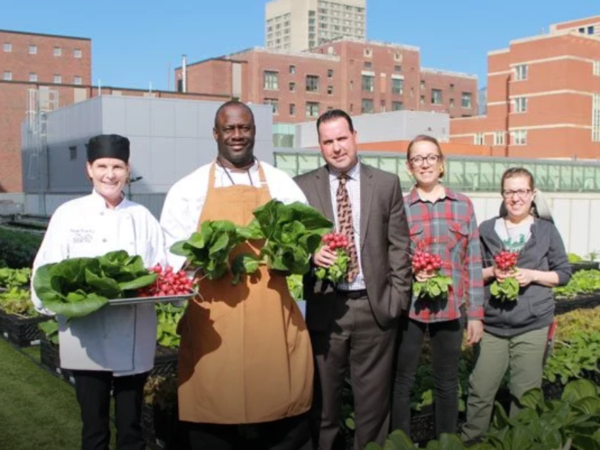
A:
[99, 203]
[413, 196]
[252, 169]
[351, 174]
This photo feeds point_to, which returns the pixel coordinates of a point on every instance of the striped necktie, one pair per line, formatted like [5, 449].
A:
[344, 214]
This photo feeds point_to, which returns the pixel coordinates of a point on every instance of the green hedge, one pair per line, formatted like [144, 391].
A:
[18, 248]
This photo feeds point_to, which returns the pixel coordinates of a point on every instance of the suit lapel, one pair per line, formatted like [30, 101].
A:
[367, 188]
[324, 193]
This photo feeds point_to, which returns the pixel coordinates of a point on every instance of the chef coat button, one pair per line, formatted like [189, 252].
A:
[104, 240]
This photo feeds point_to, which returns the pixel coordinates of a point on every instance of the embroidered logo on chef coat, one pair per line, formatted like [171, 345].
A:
[81, 235]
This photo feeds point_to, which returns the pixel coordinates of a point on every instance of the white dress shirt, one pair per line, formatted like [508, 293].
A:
[353, 187]
[186, 198]
[121, 339]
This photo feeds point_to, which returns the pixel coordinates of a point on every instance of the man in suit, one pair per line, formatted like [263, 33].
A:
[353, 324]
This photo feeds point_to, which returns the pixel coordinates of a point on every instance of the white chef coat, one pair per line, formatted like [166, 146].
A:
[186, 198]
[121, 339]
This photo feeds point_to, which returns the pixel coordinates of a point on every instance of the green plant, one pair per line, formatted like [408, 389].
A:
[10, 278]
[292, 233]
[50, 330]
[161, 391]
[168, 316]
[582, 282]
[574, 258]
[208, 250]
[593, 255]
[79, 286]
[296, 286]
[17, 301]
[571, 358]
[18, 248]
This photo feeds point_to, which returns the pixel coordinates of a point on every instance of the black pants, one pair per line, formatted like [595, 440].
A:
[292, 433]
[446, 339]
[93, 394]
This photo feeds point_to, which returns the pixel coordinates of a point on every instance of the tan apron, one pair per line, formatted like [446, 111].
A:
[245, 354]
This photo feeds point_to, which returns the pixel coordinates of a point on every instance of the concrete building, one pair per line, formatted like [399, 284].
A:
[170, 138]
[303, 24]
[358, 76]
[40, 73]
[543, 96]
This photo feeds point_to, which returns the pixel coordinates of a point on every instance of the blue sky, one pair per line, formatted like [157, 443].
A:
[135, 43]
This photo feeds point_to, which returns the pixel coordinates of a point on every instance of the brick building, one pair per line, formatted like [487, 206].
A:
[41, 72]
[356, 75]
[543, 96]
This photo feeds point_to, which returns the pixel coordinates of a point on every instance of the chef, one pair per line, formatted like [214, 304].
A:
[245, 355]
[113, 348]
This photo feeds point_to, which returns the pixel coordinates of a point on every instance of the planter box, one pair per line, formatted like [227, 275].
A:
[21, 331]
[162, 430]
[165, 361]
[583, 301]
[50, 359]
[585, 265]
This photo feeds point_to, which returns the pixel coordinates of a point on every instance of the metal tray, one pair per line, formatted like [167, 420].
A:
[141, 300]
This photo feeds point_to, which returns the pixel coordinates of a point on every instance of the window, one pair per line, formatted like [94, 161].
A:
[451, 87]
[72, 152]
[292, 109]
[397, 86]
[329, 73]
[7, 47]
[451, 103]
[521, 72]
[271, 80]
[292, 69]
[329, 90]
[33, 49]
[465, 100]
[519, 137]
[397, 68]
[590, 29]
[382, 106]
[312, 83]
[32, 76]
[367, 106]
[436, 96]
[582, 30]
[499, 138]
[7, 76]
[368, 83]
[478, 139]
[422, 85]
[397, 56]
[312, 109]
[596, 68]
[368, 65]
[397, 106]
[422, 100]
[77, 80]
[596, 118]
[57, 79]
[521, 104]
[274, 104]
[367, 53]
[57, 51]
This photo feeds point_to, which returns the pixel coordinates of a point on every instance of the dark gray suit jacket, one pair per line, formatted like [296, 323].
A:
[384, 241]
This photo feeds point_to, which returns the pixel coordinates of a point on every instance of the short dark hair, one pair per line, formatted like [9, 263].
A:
[513, 172]
[334, 114]
[229, 104]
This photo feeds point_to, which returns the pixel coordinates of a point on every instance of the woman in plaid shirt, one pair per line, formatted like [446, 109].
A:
[442, 222]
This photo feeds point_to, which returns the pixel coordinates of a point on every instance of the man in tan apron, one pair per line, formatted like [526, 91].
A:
[245, 355]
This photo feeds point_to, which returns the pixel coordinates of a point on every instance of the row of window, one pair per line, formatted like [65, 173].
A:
[518, 137]
[335, 5]
[466, 100]
[587, 30]
[57, 79]
[33, 49]
[312, 109]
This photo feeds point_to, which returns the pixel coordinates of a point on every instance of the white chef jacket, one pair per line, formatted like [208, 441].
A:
[186, 198]
[121, 339]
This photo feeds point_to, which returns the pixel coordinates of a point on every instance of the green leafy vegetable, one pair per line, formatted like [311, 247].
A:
[209, 249]
[507, 290]
[292, 234]
[80, 286]
[17, 301]
[10, 278]
[168, 317]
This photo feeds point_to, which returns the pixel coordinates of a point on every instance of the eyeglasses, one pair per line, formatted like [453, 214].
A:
[521, 193]
[418, 161]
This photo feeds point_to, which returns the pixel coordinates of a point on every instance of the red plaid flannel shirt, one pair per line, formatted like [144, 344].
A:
[448, 227]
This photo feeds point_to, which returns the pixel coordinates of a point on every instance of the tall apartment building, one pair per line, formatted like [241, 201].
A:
[543, 96]
[304, 24]
[39, 73]
[356, 75]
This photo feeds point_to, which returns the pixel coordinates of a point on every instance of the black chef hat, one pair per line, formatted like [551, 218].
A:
[108, 146]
